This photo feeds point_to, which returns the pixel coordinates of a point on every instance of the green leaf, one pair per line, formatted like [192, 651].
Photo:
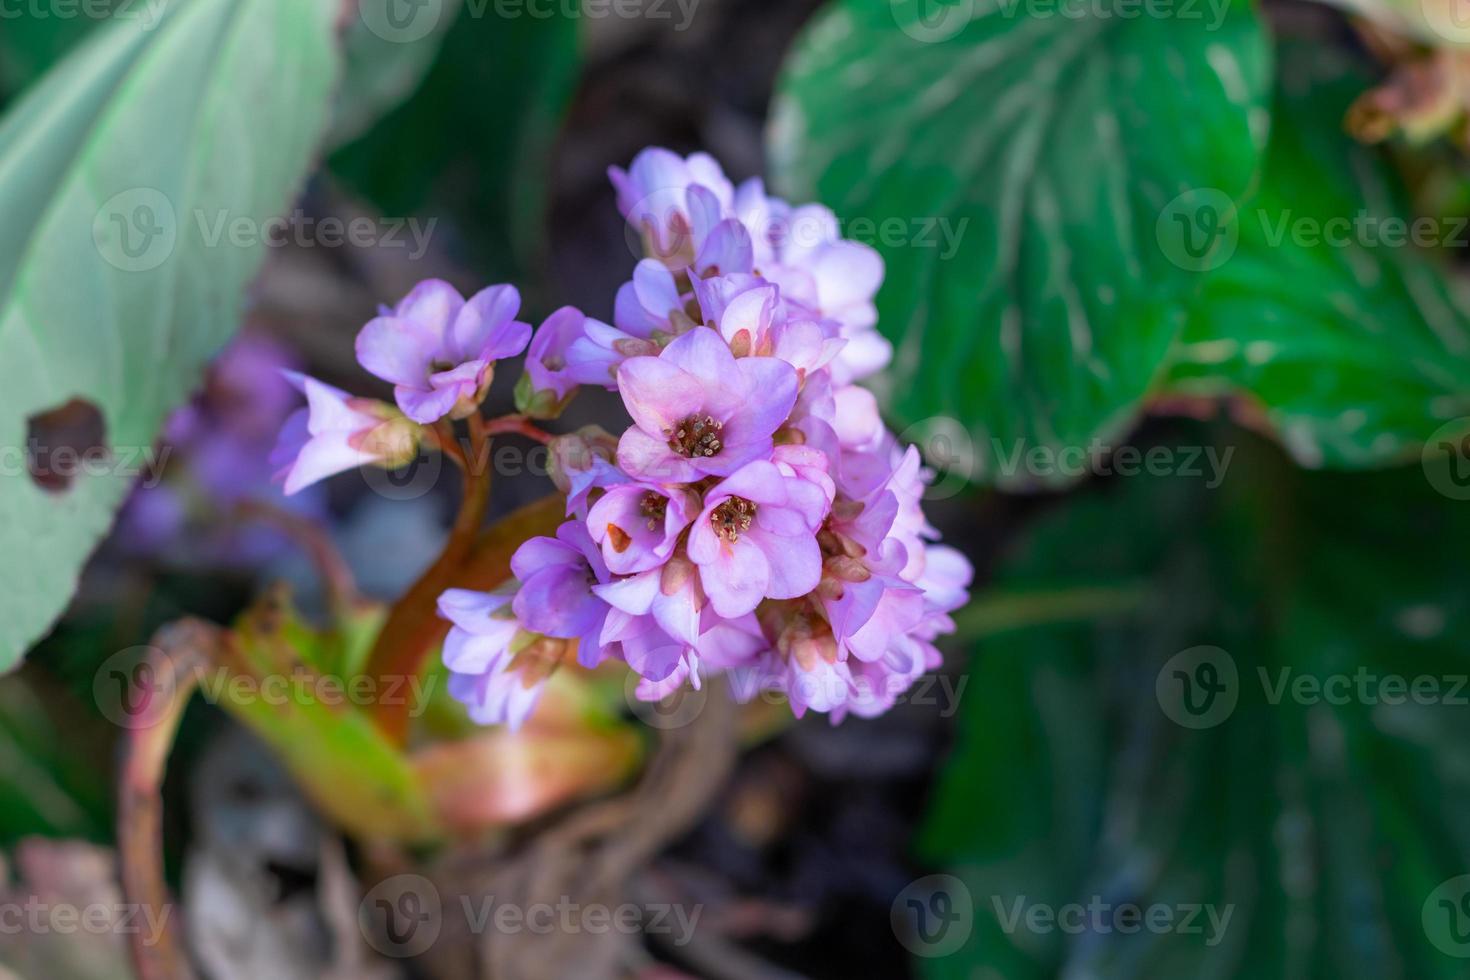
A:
[473, 144]
[115, 171]
[1323, 824]
[53, 770]
[1345, 339]
[381, 69]
[1024, 166]
[339, 756]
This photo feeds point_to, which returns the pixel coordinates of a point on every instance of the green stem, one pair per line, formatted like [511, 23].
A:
[1001, 612]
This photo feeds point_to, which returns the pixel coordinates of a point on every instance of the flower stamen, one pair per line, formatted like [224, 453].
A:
[697, 436]
[733, 518]
[653, 506]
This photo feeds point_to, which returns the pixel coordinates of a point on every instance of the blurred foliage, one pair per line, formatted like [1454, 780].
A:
[1325, 825]
[112, 294]
[1059, 316]
[1354, 349]
[1049, 147]
[54, 772]
[471, 147]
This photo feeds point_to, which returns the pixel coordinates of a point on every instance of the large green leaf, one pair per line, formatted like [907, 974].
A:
[472, 147]
[1324, 824]
[1342, 333]
[1051, 149]
[115, 172]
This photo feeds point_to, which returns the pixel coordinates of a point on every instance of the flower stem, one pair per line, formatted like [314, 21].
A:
[520, 425]
[413, 626]
[181, 651]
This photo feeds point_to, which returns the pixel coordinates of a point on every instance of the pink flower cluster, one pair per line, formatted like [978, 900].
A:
[755, 518]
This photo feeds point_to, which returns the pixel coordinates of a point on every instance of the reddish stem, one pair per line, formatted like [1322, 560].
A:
[413, 626]
[519, 425]
[172, 672]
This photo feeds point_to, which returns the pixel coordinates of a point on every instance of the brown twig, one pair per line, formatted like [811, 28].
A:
[171, 672]
[593, 852]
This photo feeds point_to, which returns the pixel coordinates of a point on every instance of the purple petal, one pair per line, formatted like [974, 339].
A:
[645, 457]
[703, 355]
[795, 563]
[480, 319]
[425, 407]
[736, 579]
[432, 304]
[397, 350]
[658, 393]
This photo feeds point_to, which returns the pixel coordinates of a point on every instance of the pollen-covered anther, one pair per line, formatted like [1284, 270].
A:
[733, 518]
[653, 507]
[697, 436]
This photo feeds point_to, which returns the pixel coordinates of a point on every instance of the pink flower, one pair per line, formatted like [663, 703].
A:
[549, 380]
[439, 350]
[556, 597]
[673, 201]
[638, 524]
[698, 411]
[497, 687]
[756, 538]
[337, 432]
